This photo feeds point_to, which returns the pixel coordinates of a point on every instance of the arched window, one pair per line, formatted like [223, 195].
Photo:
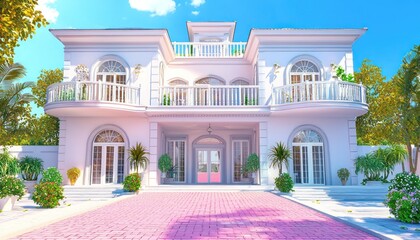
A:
[111, 72]
[211, 81]
[304, 70]
[240, 82]
[308, 157]
[178, 82]
[108, 158]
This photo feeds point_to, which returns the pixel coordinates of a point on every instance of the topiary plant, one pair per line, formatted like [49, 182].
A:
[132, 182]
[73, 174]
[11, 186]
[165, 163]
[284, 183]
[30, 168]
[51, 175]
[48, 194]
[252, 164]
[343, 174]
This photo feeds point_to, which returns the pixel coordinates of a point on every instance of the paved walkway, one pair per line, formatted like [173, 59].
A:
[198, 215]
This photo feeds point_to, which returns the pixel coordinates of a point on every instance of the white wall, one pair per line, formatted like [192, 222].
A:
[48, 154]
[76, 144]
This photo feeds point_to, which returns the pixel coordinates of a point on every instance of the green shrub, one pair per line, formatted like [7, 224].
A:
[30, 168]
[371, 166]
[9, 165]
[132, 182]
[48, 194]
[284, 183]
[51, 175]
[403, 198]
[11, 186]
[252, 163]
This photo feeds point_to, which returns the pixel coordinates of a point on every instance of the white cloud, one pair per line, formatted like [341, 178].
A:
[195, 13]
[50, 13]
[197, 3]
[156, 7]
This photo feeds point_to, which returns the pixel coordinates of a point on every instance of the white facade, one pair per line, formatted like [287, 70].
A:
[209, 103]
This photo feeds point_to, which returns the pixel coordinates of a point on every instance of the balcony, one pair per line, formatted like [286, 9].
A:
[209, 95]
[93, 92]
[209, 49]
[319, 91]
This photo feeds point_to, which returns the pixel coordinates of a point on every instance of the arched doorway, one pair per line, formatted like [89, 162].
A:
[209, 152]
[108, 150]
[308, 157]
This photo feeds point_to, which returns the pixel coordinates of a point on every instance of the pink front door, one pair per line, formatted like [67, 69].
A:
[208, 162]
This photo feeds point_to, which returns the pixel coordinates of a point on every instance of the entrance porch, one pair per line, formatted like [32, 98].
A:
[208, 152]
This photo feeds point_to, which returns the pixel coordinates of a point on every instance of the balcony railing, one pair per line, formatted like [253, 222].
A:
[319, 91]
[93, 92]
[209, 49]
[208, 95]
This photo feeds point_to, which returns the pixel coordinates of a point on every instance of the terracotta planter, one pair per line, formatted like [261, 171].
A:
[7, 203]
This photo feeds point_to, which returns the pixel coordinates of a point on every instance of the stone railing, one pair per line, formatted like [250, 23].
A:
[209, 49]
[93, 92]
[319, 91]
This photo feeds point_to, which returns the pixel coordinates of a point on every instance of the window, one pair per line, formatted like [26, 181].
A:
[304, 71]
[210, 80]
[112, 73]
[308, 157]
[240, 153]
[176, 149]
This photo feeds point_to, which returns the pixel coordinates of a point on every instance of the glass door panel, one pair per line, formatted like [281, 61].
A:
[215, 167]
[96, 164]
[202, 173]
[209, 164]
[297, 164]
[109, 167]
[318, 164]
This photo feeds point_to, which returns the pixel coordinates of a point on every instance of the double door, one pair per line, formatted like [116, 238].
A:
[208, 165]
[107, 164]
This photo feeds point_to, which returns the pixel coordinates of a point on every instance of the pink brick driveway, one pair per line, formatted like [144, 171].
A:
[224, 215]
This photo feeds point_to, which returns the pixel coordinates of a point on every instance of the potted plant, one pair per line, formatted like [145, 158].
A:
[252, 166]
[164, 165]
[11, 188]
[30, 168]
[279, 155]
[73, 174]
[343, 174]
[138, 158]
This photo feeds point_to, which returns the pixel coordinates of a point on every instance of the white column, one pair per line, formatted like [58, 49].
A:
[152, 179]
[353, 150]
[154, 82]
[349, 62]
[262, 83]
[263, 152]
[62, 154]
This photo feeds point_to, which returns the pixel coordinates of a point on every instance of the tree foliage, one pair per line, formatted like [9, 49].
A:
[14, 103]
[19, 20]
[45, 79]
[394, 113]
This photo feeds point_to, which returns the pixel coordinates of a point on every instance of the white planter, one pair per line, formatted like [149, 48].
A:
[7, 203]
[163, 175]
[373, 183]
[30, 186]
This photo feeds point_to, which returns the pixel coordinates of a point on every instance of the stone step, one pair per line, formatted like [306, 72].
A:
[93, 192]
[341, 193]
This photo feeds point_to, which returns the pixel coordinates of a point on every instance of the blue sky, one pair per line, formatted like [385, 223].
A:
[394, 26]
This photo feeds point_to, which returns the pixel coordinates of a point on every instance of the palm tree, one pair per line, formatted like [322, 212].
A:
[393, 155]
[279, 155]
[138, 158]
[11, 93]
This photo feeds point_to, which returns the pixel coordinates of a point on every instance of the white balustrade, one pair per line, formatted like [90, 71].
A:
[93, 92]
[208, 95]
[209, 49]
[319, 91]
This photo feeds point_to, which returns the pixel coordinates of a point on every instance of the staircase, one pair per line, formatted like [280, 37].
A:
[340, 193]
[205, 188]
[86, 193]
